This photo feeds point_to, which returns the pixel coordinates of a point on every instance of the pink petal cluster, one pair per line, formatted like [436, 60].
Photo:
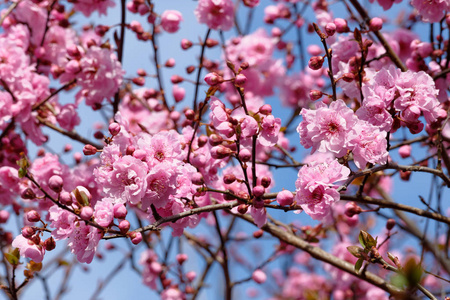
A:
[170, 20]
[152, 268]
[87, 7]
[316, 191]
[431, 10]
[83, 241]
[217, 14]
[29, 249]
[386, 4]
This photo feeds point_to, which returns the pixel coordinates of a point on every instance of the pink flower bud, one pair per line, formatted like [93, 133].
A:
[140, 81]
[33, 216]
[4, 216]
[390, 223]
[136, 27]
[189, 114]
[181, 258]
[341, 25]
[375, 24]
[259, 276]
[89, 150]
[49, 244]
[67, 148]
[143, 9]
[120, 211]
[178, 93]
[141, 72]
[130, 150]
[191, 275]
[202, 140]
[55, 183]
[186, 44]
[314, 50]
[28, 194]
[197, 178]
[266, 181]
[86, 213]
[245, 155]
[220, 152]
[77, 156]
[101, 30]
[315, 62]
[73, 67]
[65, 198]
[28, 232]
[404, 151]
[211, 43]
[276, 32]
[251, 3]
[285, 198]
[348, 77]
[258, 191]
[242, 208]
[352, 209]
[124, 226]
[176, 79]
[155, 267]
[170, 63]
[240, 80]
[315, 95]
[175, 115]
[330, 29]
[114, 128]
[136, 237]
[229, 178]
[213, 79]
[170, 20]
[266, 109]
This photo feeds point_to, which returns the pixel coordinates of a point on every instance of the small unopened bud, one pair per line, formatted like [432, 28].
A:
[341, 25]
[266, 181]
[259, 276]
[28, 232]
[390, 223]
[242, 208]
[266, 109]
[140, 81]
[189, 114]
[186, 44]
[130, 150]
[181, 258]
[211, 43]
[191, 275]
[258, 233]
[49, 244]
[348, 77]
[315, 62]
[197, 178]
[215, 139]
[114, 128]
[240, 80]
[285, 198]
[213, 79]
[352, 209]
[330, 29]
[405, 175]
[56, 183]
[315, 95]
[120, 211]
[86, 213]
[28, 194]
[33, 216]
[220, 152]
[229, 178]
[136, 237]
[245, 155]
[176, 79]
[258, 191]
[124, 226]
[4, 216]
[244, 65]
[190, 69]
[65, 198]
[89, 150]
[404, 151]
[170, 63]
[202, 140]
[375, 24]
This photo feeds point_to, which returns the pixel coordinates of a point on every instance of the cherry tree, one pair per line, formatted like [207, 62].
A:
[286, 149]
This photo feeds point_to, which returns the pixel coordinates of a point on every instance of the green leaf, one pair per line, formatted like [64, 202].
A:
[361, 238]
[358, 264]
[399, 280]
[13, 256]
[356, 251]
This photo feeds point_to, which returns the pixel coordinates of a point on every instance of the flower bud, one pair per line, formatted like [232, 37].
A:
[189, 114]
[213, 79]
[28, 232]
[258, 203]
[215, 139]
[229, 178]
[242, 208]
[258, 191]
[155, 267]
[170, 20]
[404, 151]
[181, 258]
[65, 198]
[120, 211]
[245, 155]
[240, 80]
[266, 109]
[114, 128]
[390, 223]
[136, 237]
[202, 140]
[375, 24]
[89, 150]
[186, 44]
[86, 213]
[136, 27]
[191, 276]
[259, 276]
[33, 216]
[405, 175]
[348, 77]
[4, 216]
[73, 67]
[170, 63]
[211, 43]
[352, 209]
[341, 25]
[330, 29]
[197, 178]
[55, 183]
[220, 152]
[49, 244]
[315, 95]
[28, 194]
[285, 198]
[190, 69]
[315, 62]
[140, 81]
[124, 226]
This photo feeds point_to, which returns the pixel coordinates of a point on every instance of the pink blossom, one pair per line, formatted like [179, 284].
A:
[386, 4]
[63, 222]
[68, 117]
[172, 293]
[249, 126]
[217, 14]
[29, 249]
[326, 129]
[170, 20]
[270, 128]
[87, 7]
[161, 184]
[431, 10]
[150, 274]
[126, 181]
[104, 213]
[220, 118]
[316, 192]
[83, 242]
